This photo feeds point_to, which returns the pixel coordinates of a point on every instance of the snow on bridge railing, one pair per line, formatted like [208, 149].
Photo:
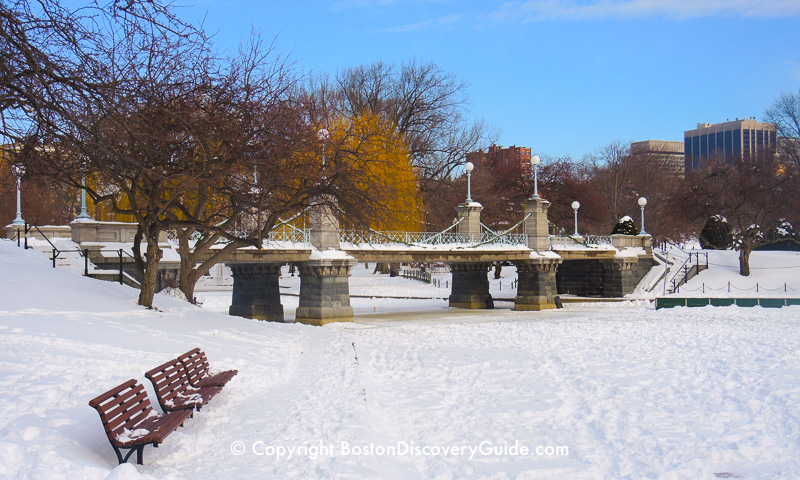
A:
[431, 238]
[565, 241]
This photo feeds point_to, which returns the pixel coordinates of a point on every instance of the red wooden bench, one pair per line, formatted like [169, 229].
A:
[197, 368]
[130, 421]
[173, 390]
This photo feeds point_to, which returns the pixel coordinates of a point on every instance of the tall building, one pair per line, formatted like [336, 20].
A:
[499, 157]
[671, 153]
[733, 140]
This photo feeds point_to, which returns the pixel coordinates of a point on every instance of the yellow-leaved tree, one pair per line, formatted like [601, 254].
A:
[376, 162]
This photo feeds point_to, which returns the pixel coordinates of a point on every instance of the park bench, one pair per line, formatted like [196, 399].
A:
[130, 421]
[173, 390]
[198, 370]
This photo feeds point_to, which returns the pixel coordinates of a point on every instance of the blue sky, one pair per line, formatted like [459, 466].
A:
[559, 76]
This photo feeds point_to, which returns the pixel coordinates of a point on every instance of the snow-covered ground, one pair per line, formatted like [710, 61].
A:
[629, 391]
[772, 274]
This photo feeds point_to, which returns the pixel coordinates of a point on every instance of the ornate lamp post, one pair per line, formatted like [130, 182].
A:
[83, 214]
[642, 203]
[575, 206]
[323, 135]
[535, 162]
[18, 170]
[468, 167]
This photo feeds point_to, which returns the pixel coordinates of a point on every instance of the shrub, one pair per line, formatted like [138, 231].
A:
[716, 234]
[625, 226]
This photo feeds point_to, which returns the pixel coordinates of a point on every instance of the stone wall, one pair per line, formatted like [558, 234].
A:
[584, 278]
[602, 277]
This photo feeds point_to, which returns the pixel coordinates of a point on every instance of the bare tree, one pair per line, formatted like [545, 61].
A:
[427, 107]
[755, 197]
[618, 177]
[785, 114]
[611, 176]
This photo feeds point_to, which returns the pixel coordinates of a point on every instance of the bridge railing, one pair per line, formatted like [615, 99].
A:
[431, 238]
[564, 241]
[288, 233]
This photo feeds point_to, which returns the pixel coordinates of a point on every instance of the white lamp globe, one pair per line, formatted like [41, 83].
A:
[642, 201]
[576, 205]
[469, 167]
[535, 160]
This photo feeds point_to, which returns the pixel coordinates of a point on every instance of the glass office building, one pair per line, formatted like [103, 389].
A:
[733, 141]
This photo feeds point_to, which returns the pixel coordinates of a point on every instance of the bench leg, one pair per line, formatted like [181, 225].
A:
[139, 450]
[119, 454]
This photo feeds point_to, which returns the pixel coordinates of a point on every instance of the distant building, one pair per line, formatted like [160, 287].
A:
[733, 140]
[498, 157]
[668, 151]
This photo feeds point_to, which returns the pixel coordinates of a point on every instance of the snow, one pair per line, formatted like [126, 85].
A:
[128, 435]
[630, 252]
[548, 254]
[772, 274]
[630, 391]
[329, 254]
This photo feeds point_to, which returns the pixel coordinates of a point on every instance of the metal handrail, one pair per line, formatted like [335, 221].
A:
[685, 267]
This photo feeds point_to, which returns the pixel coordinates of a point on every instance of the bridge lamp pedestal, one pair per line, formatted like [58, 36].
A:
[469, 167]
[535, 160]
[642, 203]
[18, 170]
[575, 206]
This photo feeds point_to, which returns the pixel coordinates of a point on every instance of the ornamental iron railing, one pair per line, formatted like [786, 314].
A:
[431, 238]
[563, 241]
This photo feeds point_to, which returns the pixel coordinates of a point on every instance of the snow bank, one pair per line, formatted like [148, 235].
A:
[772, 274]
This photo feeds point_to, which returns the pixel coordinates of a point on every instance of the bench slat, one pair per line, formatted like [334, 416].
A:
[127, 407]
[197, 369]
[173, 390]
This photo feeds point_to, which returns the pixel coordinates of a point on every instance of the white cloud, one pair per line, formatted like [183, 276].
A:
[539, 10]
[448, 21]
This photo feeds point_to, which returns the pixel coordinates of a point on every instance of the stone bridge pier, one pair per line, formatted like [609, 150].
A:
[325, 291]
[256, 293]
[536, 284]
[470, 288]
[536, 287]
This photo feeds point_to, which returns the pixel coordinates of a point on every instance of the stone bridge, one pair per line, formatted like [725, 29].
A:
[546, 265]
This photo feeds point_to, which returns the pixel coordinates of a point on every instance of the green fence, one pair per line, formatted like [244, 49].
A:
[670, 302]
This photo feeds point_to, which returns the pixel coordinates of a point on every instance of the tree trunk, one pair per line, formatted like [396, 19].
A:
[744, 260]
[498, 269]
[187, 283]
[382, 268]
[150, 276]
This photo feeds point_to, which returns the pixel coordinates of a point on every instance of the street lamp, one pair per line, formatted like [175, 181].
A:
[642, 203]
[83, 214]
[535, 161]
[18, 170]
[468, 167]
[575, 206]
[323, 134]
